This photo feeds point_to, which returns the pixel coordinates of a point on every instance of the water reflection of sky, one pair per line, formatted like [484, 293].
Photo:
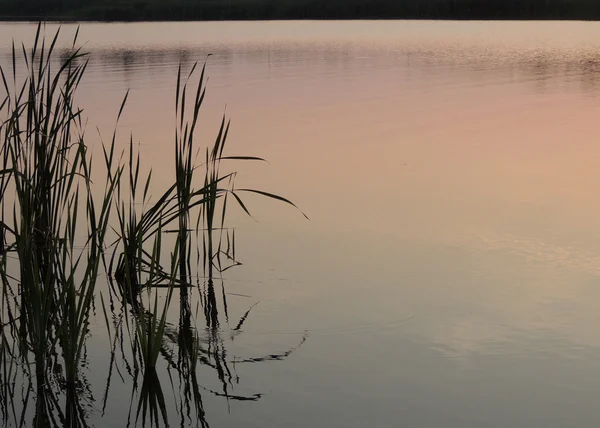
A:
[482, 53]
[448, 275]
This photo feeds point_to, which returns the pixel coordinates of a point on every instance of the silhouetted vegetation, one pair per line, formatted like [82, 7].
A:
[55, 225]
[134, 10]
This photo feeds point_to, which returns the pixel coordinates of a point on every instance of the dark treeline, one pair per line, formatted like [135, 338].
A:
[124, 10]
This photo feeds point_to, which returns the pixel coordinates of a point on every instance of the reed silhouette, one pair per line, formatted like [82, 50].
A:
[58, 230]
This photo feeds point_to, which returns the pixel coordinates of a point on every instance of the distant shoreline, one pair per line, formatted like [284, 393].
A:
[269, 10]
[74, 20]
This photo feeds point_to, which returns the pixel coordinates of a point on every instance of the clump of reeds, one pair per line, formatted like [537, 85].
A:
[48, 169]
[56, 224]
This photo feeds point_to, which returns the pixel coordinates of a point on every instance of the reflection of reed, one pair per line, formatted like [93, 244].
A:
[182, 349]
[75, 413]
[273, 357]
[151, 402]
[7, 381]
[190, 396]
[211, 310]
[47, 409]
[46, 395]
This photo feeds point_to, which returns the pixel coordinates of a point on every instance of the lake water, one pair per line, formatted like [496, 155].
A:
[449, 275]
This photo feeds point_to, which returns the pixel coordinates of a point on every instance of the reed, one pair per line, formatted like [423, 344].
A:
[48, 167]
[150, 327]
[184, 166]
[54, 222]
[43, 164]
[78, 276]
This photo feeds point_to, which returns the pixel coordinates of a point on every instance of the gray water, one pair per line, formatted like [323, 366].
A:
[449, 273]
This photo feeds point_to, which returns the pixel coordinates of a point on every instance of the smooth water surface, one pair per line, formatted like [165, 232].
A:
[449, 275]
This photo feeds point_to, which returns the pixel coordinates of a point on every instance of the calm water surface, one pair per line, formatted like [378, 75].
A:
[450, 273]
